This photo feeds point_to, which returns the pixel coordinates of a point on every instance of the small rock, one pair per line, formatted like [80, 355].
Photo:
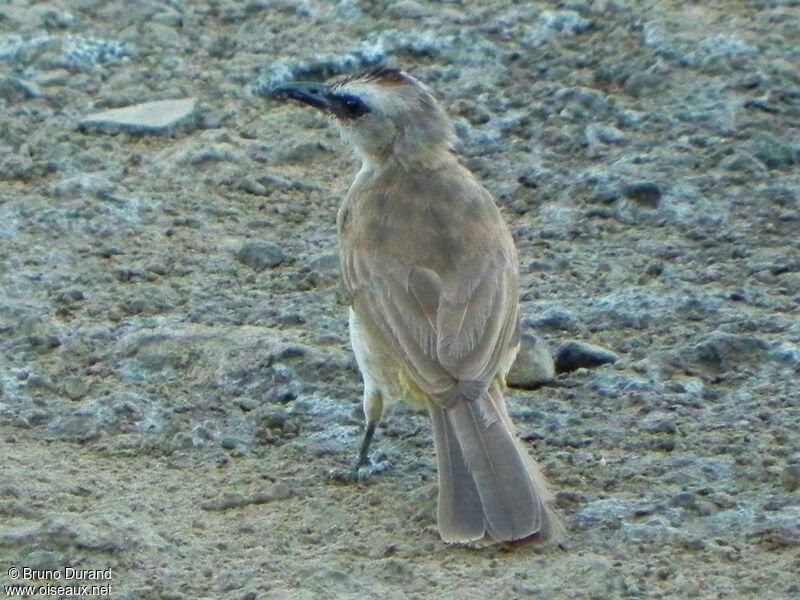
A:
[43, 559]
[324, 269]
[658, 423]
[13, 89]
[75, 428]
[574, 355]
[149, 300]
[406, 9]
[228, 500]
[159, 117]
[790, 478]
[604, 134]
[744, 163]
[687, 500]
[271, 417]
[75, 388]
[646, 193]
[534, 364]
[553, 318]
[260, 255]
[786, 353]
[722, 351]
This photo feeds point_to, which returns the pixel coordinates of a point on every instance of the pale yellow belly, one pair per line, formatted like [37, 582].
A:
[381, 371]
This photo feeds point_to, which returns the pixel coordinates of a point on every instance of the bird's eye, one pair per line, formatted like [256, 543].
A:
[352, 107]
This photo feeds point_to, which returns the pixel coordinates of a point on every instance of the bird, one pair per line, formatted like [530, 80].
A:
[430, 272]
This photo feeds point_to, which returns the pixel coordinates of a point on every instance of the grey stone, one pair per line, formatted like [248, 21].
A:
[744, 163]
[687, 500]
[646, 193]
[228, 500]
[260, 255]
[790, 478]
[722, 351]
[787, 353]
[75, 388]
[659, 423]
[534, 364]
[14, 89]
[43, 560]
[604, 134]
[324, 270]
[75, 428]
[574, 355]
[158, 117]
[150, 300]
[406, 9]
[553, 318]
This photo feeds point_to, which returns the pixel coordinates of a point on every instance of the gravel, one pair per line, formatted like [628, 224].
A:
[172, 333]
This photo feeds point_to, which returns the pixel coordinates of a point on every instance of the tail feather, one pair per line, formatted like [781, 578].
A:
[488, 483]
[460, 512]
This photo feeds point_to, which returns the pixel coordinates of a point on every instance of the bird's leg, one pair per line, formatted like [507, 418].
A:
[363, 454]
[365, 467]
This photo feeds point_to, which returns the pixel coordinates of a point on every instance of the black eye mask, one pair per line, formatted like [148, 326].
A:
[347, 106]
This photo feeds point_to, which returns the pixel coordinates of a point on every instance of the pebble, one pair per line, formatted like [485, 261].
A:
[790, 478]
[534, 364]
[744, 163]
[646, 193]
[687, 500]
[260, 255]
[605, 134]
[659, 423]
[406, 9]
[553, 318]
[105, 248]
[324, 270]
[722, 351]
[13, 89]
[75, 388]
[228, 500]
[574, 355]
[158, 117]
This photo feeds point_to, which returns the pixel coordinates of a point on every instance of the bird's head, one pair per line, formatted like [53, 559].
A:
[383, 112]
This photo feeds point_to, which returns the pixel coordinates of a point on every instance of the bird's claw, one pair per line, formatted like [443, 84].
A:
[364, 469]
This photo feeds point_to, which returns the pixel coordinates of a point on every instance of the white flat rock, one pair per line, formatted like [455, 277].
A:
[161, 116]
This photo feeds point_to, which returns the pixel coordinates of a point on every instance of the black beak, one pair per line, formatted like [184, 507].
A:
[313, 94]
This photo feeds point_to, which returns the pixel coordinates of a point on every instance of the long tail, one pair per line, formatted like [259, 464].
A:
[488, 483]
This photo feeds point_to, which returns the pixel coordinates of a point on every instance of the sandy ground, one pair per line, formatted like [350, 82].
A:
[176, 384]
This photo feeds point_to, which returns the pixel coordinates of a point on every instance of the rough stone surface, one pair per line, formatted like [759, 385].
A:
[645, 155]
[160, 116]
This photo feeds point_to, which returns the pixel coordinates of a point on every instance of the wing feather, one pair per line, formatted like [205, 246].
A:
[438, 291]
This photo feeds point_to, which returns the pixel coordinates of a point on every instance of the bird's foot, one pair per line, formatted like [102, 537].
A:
[364, 468]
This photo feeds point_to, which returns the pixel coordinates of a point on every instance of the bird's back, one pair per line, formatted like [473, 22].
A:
[439, 218]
